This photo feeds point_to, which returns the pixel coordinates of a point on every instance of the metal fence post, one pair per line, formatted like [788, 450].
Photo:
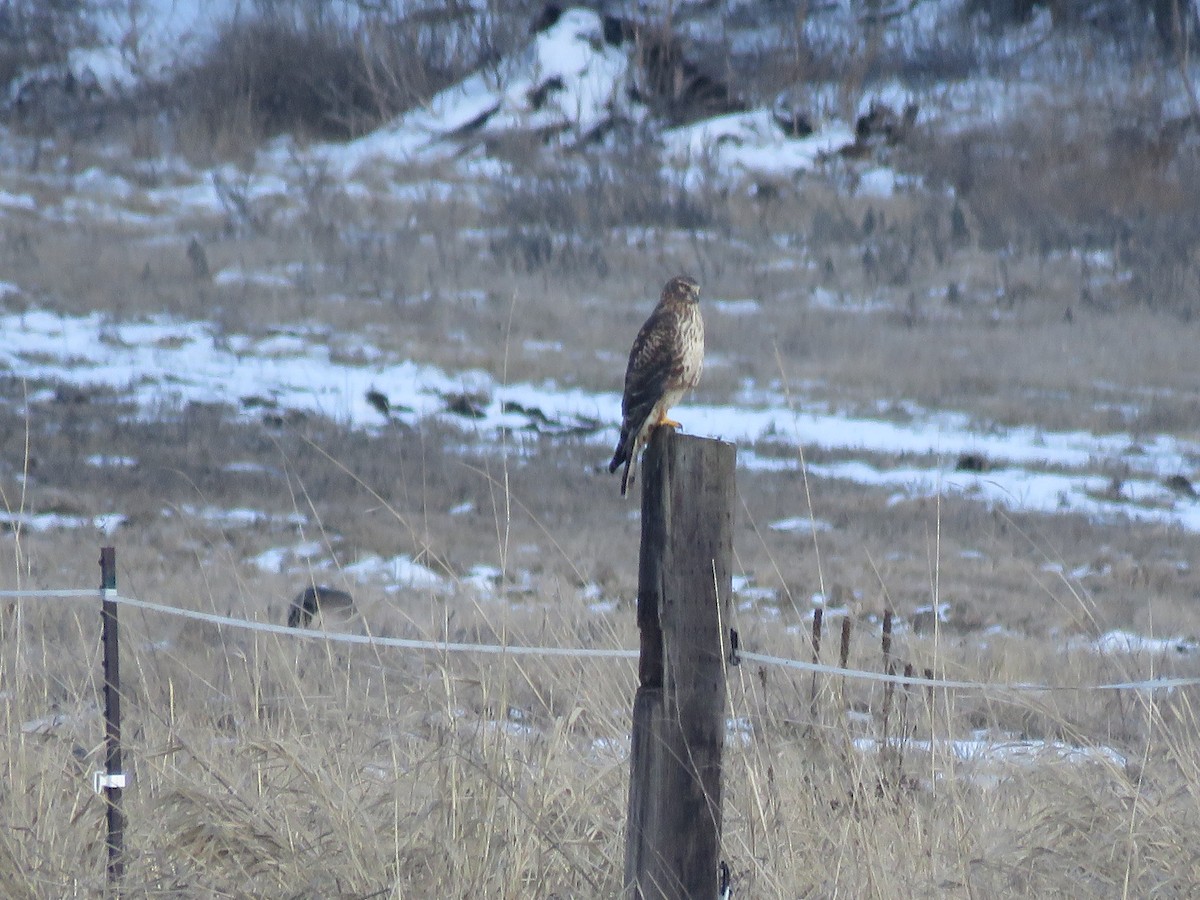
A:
[111, 782]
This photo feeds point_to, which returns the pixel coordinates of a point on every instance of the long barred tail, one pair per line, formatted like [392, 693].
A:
[629, 475]
[624, 454]
[621, 454]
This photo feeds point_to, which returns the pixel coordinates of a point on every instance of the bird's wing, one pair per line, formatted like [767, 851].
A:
[651, 362]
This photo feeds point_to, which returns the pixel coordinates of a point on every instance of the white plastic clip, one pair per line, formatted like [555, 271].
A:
[103, 780]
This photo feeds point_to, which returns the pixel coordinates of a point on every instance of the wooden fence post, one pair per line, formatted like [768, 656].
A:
[673, 833]
[112, 780]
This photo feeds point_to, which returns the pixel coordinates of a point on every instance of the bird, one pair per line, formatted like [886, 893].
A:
[664, 364]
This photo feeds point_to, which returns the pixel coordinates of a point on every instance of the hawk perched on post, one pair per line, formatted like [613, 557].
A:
[664, 364]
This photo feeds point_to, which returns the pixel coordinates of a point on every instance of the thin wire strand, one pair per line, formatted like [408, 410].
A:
[600, 653]
[317, 634]
[948, 684]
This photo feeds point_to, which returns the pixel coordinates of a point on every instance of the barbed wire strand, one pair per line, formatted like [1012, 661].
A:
[594, 653]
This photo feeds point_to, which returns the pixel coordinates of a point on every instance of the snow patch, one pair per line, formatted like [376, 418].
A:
[1128, 643]
[397, 572]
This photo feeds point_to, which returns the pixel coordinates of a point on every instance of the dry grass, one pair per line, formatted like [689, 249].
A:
[266, 766]
[273, 767]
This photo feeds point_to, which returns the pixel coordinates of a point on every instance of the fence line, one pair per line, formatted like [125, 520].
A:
[592, 653]
[982, 686]
[337, 637]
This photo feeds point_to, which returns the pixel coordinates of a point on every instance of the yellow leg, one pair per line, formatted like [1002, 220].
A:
[663, 420]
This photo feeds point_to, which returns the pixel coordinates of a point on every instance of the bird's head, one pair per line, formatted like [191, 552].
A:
[681, 289]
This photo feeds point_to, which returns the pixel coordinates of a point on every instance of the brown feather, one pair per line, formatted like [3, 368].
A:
[664, 363]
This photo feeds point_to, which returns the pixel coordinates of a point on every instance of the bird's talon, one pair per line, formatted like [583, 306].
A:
[671, 422]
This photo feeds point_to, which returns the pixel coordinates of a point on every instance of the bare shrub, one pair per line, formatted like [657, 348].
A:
[269, 76]
[1164, 263]
[1120, 21]
[40, 92]
[295, 67]
[1116, 184]
[36, 33]
[560, 214]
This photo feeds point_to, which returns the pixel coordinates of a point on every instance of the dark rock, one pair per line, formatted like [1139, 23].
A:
[1180, 485]
[537, 96]
[472, 406]
[379, 401]
[972, 462]
[314, 599]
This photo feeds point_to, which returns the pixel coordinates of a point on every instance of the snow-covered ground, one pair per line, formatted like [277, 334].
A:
[569, 82]
[988, 760]
[162, 363]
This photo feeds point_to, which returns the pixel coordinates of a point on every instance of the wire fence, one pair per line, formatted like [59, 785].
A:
[446, 647]
[111, 780]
